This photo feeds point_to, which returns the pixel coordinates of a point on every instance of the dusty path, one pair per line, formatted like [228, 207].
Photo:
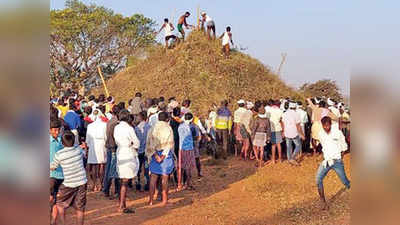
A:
[234, 192]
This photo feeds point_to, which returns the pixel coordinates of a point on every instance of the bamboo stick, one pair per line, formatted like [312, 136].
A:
[102, 79]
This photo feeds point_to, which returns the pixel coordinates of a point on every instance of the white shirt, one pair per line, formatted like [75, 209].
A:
[226, 38]
[211, 121]
[153, 119]
[96, 137]
[201, 127]
[168, 30]
[238, 115]
[290, 120]
[275, 118]
[96, 130]
[303, 115]
[126, 140]
[333, 144]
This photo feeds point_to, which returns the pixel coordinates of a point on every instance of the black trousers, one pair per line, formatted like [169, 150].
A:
[222, 140]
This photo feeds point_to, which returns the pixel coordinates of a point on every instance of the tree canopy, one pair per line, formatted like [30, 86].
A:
[83, 37]
[326, 87]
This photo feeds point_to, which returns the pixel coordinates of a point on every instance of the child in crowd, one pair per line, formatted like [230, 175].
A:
[72, 191]
[56, 176]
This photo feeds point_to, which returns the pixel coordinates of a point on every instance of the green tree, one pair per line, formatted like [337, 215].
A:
[83, 37]
[326, 87]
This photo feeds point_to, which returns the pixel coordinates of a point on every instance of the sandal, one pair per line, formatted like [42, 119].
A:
[267, 162]
[128, 211]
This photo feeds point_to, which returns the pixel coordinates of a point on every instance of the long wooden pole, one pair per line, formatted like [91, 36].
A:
[102, 79]
[198, 16]
[282, 62]
[173, 17]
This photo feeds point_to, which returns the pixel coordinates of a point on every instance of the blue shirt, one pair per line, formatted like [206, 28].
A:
[55, 146]
[73, 120]
[153, 119]
[195, 131]
[141, 131]
[185, 137]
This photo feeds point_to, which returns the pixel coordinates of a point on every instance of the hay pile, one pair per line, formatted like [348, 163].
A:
[197, 70]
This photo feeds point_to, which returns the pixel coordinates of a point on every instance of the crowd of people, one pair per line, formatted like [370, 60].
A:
[96, 142]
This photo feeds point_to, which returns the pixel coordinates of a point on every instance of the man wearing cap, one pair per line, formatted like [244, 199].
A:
[240, 131]
[209, 23]
[292, 131]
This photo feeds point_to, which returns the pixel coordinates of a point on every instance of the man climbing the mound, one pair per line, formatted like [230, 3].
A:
[226, 38]
[181, 22]
[168, 27]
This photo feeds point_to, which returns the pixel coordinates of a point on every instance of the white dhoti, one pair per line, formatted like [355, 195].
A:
[127, 163]
[97, 152]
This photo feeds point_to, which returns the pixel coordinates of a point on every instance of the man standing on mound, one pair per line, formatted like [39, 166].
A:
[168, 31]
[333, 144]
[181, 22]
[226, 38]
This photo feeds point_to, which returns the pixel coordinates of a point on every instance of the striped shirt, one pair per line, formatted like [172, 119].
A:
[71, 161]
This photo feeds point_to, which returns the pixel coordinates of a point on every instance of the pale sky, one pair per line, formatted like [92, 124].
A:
[322, 39]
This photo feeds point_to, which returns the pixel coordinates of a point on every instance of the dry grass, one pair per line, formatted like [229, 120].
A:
[197, 69]
[235, 192]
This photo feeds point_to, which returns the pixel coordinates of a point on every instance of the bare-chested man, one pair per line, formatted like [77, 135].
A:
[181, 22]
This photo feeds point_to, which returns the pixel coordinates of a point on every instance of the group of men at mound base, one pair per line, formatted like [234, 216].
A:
[205, 20]
[95, 142]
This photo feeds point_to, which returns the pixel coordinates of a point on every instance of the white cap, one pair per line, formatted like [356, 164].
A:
[151, 110]
[188, 121]
[241, 101]
[203, 13]
[292, 105]
[330, 102]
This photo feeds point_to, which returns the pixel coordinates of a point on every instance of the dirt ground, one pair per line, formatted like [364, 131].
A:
[235, 192]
